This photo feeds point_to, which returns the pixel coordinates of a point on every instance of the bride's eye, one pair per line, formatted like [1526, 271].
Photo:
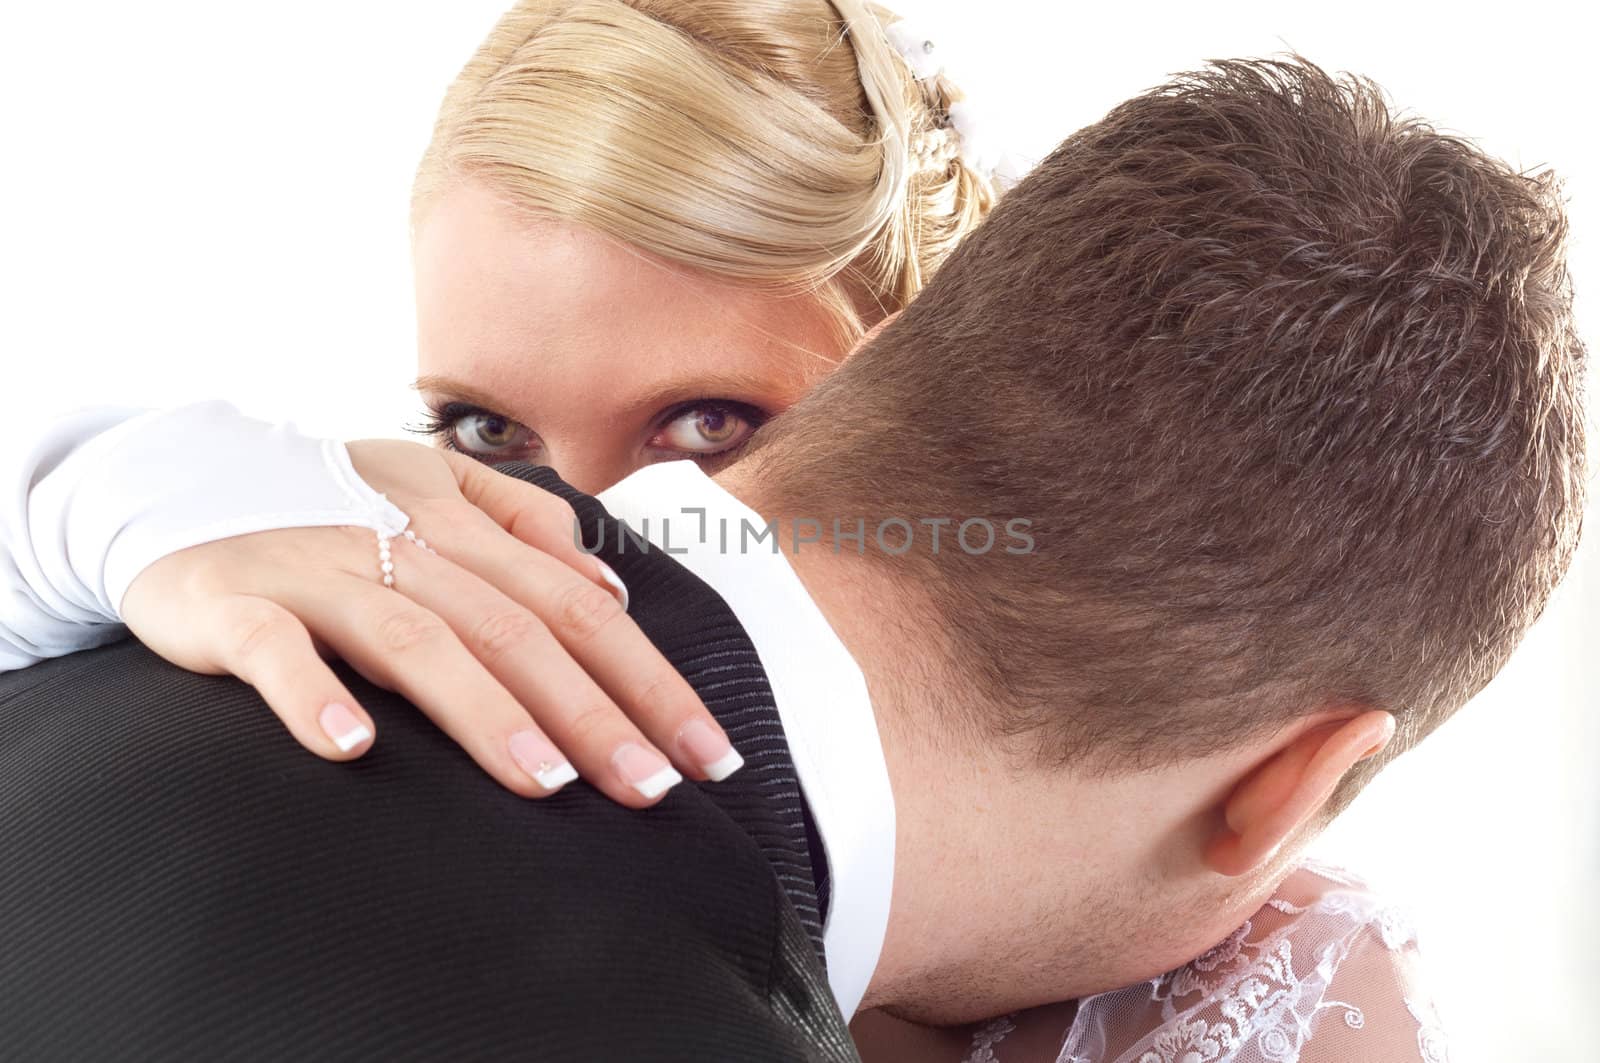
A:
[489, 433]
[482, 433]
[708, 428]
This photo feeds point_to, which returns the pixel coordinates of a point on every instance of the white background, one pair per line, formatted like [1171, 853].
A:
[203, 199]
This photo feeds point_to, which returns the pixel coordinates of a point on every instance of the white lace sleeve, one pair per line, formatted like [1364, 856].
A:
[1324, 973]
[1377, 1007]
[93, 497]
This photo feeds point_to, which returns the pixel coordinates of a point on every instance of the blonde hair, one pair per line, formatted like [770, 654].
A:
[781, 143]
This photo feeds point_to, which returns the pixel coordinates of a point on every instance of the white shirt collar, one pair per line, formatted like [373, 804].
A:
[820, 691]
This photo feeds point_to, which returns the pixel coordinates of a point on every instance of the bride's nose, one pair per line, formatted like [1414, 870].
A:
[590, 465]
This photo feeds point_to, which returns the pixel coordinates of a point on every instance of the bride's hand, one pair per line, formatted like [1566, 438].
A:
[509, 637]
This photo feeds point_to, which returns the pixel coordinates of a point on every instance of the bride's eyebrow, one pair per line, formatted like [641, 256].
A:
[747, 387]
[457, 391]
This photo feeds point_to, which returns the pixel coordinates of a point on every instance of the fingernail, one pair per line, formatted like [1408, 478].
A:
[343, 726]
[647, 772]
[708, 747]
[537, 756]
[618, 588]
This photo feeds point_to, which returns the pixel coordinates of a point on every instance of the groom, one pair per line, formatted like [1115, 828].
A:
[1232, 454]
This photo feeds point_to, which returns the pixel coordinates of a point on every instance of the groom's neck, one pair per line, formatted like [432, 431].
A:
[964, 806]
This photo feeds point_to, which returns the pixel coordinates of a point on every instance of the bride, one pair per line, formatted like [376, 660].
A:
[642, 228]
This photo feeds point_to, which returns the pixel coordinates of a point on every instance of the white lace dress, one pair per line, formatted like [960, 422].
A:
[1325, 972]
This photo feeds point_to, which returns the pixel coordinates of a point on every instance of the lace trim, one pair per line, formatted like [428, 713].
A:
[987, 1036]
[1244, 999]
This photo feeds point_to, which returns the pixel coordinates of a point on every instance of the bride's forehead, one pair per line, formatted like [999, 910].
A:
[474, 250]
[547, 304]
[476, 256]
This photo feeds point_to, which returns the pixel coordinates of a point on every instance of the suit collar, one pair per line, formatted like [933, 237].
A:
[820, 692]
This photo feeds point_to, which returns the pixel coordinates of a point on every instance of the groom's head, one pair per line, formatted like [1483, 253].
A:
[1288, 388]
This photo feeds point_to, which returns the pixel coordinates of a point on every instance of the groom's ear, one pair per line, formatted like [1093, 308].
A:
[1283, 791]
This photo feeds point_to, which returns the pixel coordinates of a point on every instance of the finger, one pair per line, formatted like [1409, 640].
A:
[533, 515]
[610, 750]
[267, 647]
[604, 642]
[406, 647]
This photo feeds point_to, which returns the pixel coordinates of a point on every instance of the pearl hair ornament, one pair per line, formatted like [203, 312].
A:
[975, 140]
[917, 49]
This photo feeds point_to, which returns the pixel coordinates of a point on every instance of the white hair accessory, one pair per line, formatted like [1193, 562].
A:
[978, 144]
[916, 49]
[981, 150]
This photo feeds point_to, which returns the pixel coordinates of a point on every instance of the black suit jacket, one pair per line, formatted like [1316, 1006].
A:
[180, 880]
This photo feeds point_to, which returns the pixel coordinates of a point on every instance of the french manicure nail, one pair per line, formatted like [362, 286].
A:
[537, 756]
[709, 747]
[614, 581]
[343, 726]
[645, 771]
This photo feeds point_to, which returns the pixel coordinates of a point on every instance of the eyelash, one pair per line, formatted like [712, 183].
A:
[438, 423]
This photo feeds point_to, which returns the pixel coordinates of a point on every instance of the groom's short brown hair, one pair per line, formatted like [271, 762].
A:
[1288, 387]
